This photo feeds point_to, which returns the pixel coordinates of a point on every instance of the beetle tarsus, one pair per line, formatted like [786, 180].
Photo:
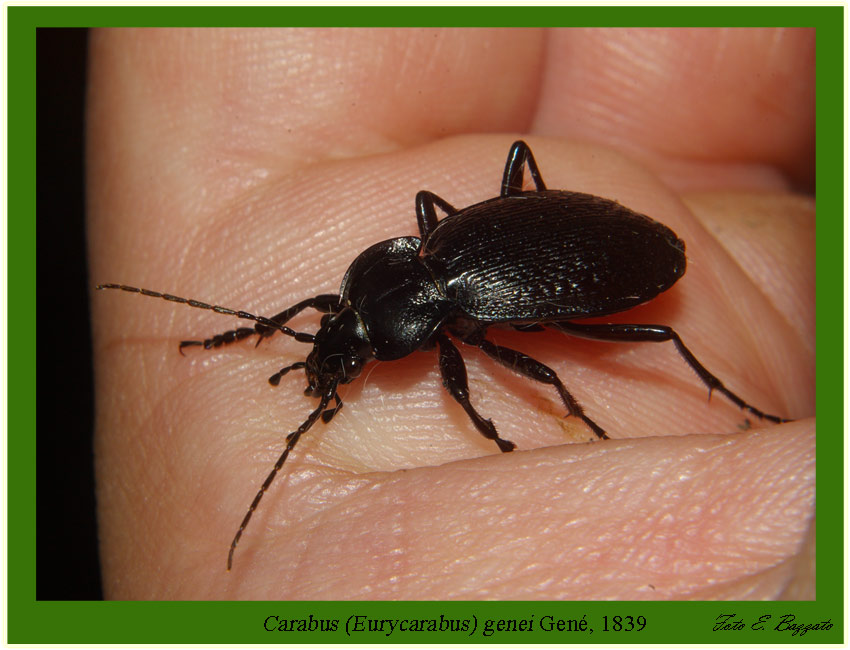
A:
[274, 380]
[537, 371]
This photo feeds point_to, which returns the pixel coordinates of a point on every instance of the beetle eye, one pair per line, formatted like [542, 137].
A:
[351, 367]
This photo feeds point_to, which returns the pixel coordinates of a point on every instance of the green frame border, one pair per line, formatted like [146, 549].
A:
[42, 622]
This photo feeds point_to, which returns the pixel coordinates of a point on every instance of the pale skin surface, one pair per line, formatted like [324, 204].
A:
[250, 168]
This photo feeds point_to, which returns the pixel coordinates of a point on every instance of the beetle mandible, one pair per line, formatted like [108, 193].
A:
[525, 259]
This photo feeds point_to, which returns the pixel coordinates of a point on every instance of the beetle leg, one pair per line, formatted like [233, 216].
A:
[660, 333]
[454, 379]
[537, 371]
[274, 380]
[518, 157]
[325, 303]
[426, 216]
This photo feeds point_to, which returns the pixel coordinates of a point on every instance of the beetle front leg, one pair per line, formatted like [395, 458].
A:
[453, 371]
[537, 371]
[326, 303]
[274, 380]
[660, 333]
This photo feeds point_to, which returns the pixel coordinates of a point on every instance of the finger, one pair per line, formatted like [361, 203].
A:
[662, 518]
[689, 99]
[291, 97]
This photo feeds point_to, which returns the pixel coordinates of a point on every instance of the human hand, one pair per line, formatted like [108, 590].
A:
[249, 168]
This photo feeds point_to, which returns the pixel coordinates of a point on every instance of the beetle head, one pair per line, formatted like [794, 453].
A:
[340, 351]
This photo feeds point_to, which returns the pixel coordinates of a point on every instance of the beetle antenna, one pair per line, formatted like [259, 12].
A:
[291, 441]
[301, 337]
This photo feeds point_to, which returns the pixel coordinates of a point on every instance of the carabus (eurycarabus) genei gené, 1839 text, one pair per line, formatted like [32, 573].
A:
[525, 259]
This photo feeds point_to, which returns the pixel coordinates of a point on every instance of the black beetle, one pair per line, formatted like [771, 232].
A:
[525, 259]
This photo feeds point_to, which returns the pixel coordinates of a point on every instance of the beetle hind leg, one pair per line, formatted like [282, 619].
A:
[453, 371]
[537, 371]
[657, 334]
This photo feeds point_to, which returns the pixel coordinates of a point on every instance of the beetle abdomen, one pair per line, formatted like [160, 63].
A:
[552, 255]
